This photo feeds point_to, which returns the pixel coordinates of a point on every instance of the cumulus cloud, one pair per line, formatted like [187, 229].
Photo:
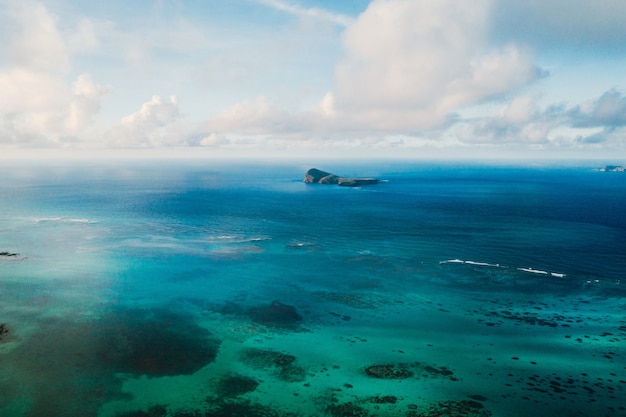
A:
[153, 114]
[608, 110]
[36, 43]
[39, 106]
[523, 121]
[406, 71]
[409, 64]
[258, 116]
[155, 124]
[519, 121]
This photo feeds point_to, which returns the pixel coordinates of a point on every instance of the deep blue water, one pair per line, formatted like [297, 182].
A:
[498, 290]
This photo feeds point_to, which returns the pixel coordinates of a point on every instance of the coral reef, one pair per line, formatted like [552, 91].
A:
[233, 385]
[276, 314]
[279, 364]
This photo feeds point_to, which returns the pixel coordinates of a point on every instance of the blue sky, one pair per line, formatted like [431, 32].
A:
[380, 78]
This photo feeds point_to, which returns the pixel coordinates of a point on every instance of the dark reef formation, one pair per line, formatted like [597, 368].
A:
[154, 343]
[281, 365]
[408, 370]
[4, 332]
[387, 372]
[275, 314]
[234, 385]
[317, 176]
[72, 364]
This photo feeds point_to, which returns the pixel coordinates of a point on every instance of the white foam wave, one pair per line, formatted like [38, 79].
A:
[460, 261]
[64, 220]
[533, 271]
[487, 264]
[238, 239]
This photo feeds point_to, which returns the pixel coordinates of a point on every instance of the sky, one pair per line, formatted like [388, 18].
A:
[289, 78]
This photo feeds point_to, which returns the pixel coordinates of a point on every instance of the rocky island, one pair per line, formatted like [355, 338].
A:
[317, 176]
[613, 168]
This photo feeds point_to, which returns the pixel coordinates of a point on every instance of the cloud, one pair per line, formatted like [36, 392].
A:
[523, 121]
[315, 13]
[259, 116]
[409, 64]
[608, 110]
[580, 24]
[39, 107]
[153, 114]
[155, 124]
[607, 114]
[403, 72]
[36, 43]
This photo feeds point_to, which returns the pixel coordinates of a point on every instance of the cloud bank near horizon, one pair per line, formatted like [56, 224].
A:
[395, 76]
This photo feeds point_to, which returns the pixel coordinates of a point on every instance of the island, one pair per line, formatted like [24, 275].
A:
[613, 168]
[317, 176]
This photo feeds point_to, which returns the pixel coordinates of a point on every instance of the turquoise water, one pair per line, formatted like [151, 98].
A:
[171, 289]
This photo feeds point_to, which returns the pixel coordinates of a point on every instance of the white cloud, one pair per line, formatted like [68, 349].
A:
[315, 13]
[155, 124]
[84, 104]
[213, 140]
[409, 64]
[36, 43]
[597, 122]
[406, 72]
[608, 110]
[153, 114]
[258, 116]
[38, 105]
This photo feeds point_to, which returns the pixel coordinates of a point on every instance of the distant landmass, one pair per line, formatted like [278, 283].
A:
[613, 168]
[317, 176]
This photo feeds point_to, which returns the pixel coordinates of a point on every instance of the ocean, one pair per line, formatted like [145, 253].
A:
[171, 288]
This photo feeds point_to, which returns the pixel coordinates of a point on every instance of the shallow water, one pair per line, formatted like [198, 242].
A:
[171, 289]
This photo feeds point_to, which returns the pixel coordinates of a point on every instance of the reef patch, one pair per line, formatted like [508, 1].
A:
[234, 385]
[70, 366]
[4, 332]
[275, 314]
[281, 365]
[463, 408]
[408, 370]
[154, 343]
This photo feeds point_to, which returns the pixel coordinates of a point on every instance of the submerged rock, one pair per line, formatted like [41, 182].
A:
[154, 343]
[349, 409]
[388, 371]
[275, 314]
[4, 331]
[154, 411]
[281, 365]
[317, 176]
[236, 385]
[463, 408]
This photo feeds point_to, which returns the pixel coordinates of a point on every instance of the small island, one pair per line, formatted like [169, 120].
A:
[613, 168]
[317, 176]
